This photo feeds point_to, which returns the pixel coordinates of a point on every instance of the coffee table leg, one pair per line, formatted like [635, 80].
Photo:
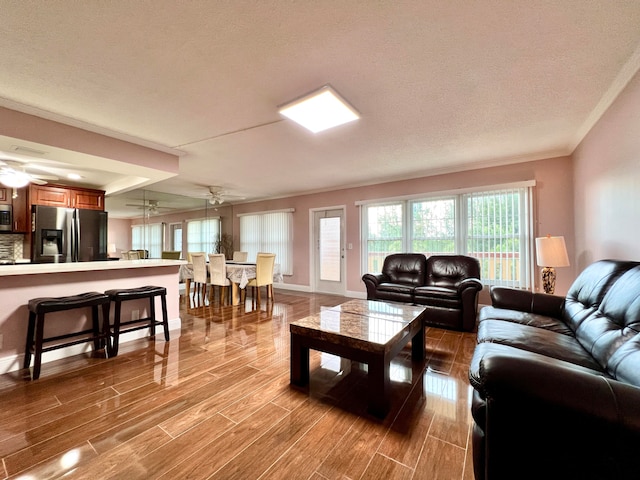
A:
[417, 345]
[299, 369]
[379, 386]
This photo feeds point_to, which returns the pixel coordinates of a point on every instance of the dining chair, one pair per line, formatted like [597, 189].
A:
[199, 274]
[190, 254]
[218, 277]
[264, 276]
[170, 255]
[240, 256]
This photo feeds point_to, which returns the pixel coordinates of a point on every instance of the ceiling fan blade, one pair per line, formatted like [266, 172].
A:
[37, 181]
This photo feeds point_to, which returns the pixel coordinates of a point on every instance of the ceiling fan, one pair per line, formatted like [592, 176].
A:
[217, 195]
[14, 174]
[152, 207]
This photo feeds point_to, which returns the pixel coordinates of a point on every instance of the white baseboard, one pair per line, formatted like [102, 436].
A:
[307, 289]
[13, 363]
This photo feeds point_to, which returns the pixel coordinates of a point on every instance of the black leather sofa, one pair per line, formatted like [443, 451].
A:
[556, 381]
[448, 285]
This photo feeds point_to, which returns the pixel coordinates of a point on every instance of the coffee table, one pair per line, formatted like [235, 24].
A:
[366, 331]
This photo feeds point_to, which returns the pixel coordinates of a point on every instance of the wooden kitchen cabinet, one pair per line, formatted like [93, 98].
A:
[91, 199]
[5, 196]
[69, 197]
[21, 213]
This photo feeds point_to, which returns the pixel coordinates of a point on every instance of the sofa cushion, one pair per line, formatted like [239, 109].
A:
[438, 297]
[589, 288]
[394, 292]
[524, 318]
[450, 270]
[536, 340]
[405, 268]
[489, 349]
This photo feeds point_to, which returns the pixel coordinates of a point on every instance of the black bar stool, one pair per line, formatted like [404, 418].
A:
[38, 307]
[122, 295]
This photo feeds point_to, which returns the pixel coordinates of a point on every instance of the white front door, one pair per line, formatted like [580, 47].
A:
[328, 251]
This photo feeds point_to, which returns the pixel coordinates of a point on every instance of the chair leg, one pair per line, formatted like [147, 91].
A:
[30, 332]
[152, 316]
[115, 336]
[37, 362]
[165, 317]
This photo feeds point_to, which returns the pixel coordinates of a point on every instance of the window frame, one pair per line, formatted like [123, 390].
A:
[526, 237]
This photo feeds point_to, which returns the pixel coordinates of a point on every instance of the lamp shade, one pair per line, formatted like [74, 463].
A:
[551, 252]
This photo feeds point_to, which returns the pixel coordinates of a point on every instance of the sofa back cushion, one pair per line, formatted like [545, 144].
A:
[588, 290]
[449, 270]
[605, 317]
[405, 268]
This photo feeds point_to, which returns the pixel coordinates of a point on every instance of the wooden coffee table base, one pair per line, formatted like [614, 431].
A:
[377, 356]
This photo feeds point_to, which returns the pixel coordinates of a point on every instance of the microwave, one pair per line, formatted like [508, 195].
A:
[6, 218]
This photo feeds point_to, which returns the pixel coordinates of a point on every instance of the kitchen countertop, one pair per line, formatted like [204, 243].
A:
[40, 268]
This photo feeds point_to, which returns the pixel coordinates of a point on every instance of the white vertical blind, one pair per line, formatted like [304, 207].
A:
[202, 235]
[148, 237]
[269, 232]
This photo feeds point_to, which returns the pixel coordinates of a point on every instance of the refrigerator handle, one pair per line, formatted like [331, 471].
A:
[75, 237]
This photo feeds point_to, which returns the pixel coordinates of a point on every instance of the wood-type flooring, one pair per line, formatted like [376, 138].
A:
[215, 402]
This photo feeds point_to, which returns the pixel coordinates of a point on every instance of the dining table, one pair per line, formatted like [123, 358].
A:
[238, 273]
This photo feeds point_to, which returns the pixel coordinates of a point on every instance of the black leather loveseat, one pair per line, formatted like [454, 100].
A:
[448, 285]
[557, 380]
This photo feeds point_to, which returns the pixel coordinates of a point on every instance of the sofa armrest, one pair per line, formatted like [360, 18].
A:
[469, 283]
[371, 281]
[526, 301]
[544, 416]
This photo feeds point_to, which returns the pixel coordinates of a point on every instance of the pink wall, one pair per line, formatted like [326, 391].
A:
[554, 194]
[607, 183]
[119, 232]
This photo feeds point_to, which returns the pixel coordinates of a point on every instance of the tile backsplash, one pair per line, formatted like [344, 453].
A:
[11, 246]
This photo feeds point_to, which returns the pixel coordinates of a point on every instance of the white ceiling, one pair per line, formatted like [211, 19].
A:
[441, 85]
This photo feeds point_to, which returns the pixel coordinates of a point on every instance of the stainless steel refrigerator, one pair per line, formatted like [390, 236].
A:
[67, 235]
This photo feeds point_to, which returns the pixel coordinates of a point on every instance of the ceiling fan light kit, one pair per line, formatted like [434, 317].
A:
[14, 179]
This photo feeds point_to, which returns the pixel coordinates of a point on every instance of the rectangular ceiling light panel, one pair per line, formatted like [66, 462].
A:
[320, 110]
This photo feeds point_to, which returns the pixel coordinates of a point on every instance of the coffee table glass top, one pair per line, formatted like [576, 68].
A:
[389, 311]
[359, 322]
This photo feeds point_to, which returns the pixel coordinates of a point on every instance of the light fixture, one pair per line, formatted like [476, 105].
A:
[550, 252]
[14, 179]
[320, 110]
[73, 176]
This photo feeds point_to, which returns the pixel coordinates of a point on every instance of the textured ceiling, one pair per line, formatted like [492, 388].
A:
[441, 86]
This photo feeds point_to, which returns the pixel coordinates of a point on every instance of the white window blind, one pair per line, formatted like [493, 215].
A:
[148, 237]
[269, 232]
[493, 226]
[202, 235]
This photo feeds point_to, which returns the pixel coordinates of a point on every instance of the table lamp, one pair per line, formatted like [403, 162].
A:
[550, 252]
[111, 249]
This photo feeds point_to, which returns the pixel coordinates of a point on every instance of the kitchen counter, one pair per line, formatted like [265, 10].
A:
[21, 282]
[40, 268]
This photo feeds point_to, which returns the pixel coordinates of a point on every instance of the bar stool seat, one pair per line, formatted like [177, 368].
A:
[122, 295]
[39, 307]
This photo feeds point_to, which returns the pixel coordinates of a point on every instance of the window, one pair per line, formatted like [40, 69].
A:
[175, 230]
[493, 226]
[203, 234]
[270, 232]
[148, 237]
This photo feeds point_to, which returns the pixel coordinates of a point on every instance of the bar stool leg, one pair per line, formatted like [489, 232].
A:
[165, 317]
[152, 316]
[106, 328]
[37, 361]
[116, 330]
[30, 333]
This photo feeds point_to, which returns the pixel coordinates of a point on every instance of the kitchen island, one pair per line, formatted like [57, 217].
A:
[21, 282]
